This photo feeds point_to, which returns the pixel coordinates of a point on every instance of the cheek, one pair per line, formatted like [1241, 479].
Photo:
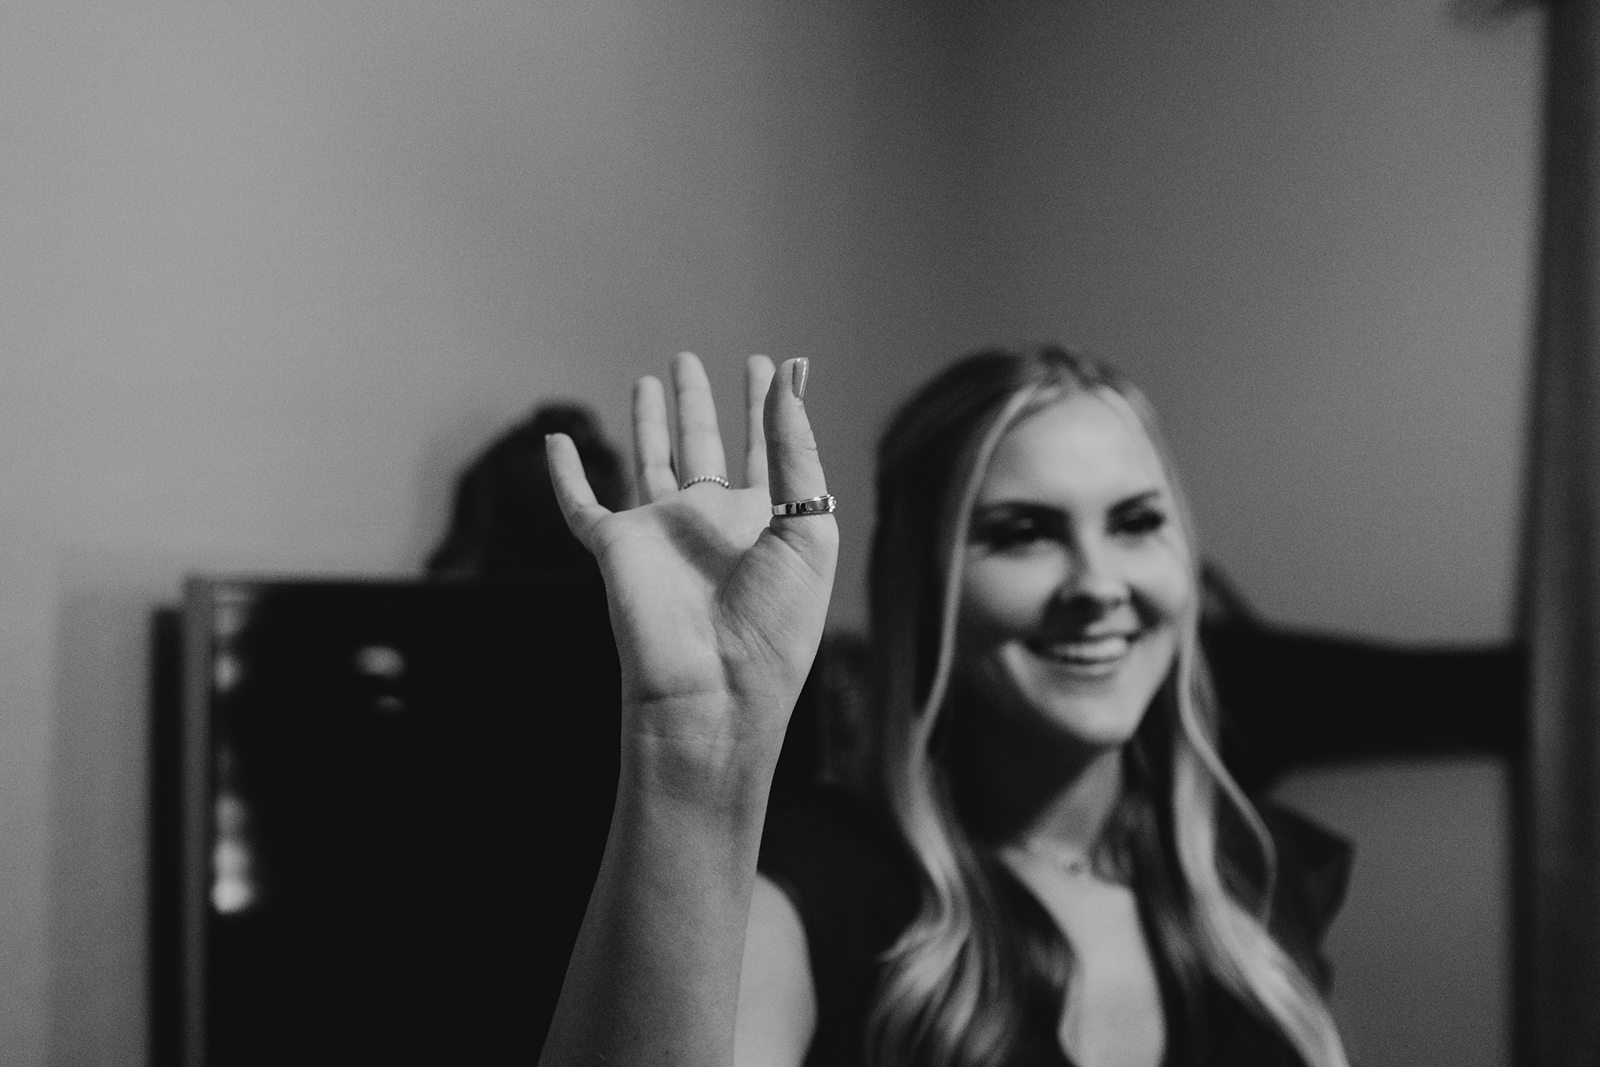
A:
[1004, 595]
[1164, 585]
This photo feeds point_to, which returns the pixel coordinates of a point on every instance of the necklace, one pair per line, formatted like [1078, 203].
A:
[1070, 862]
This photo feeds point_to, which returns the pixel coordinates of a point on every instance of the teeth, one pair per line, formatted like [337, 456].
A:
[1097, 650]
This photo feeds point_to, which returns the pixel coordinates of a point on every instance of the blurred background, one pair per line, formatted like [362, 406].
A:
[272, 274]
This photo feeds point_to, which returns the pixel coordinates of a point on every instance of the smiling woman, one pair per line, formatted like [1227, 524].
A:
[1076, 581]
[1042, 694]
[1049, 864]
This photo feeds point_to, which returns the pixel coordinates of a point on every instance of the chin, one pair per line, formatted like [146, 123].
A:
[1069, 724]
[1097, 728]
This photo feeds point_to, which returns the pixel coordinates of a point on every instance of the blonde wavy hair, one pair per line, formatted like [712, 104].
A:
[972, 968]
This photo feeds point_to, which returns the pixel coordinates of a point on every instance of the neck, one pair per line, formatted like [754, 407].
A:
[1075, 817]
[1064, 802]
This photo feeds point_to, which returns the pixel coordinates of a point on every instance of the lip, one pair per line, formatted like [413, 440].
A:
[1096, 654]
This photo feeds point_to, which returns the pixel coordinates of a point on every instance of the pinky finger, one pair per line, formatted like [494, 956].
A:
[573, 492]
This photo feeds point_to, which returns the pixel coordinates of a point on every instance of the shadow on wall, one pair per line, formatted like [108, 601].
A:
[504, 519]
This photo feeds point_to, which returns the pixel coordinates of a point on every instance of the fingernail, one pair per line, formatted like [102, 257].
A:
[798, 375]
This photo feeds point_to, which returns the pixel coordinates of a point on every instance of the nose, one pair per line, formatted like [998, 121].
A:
[1092, 579]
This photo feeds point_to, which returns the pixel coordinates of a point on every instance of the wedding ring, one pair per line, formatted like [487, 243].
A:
[719, 479]
[817, 505]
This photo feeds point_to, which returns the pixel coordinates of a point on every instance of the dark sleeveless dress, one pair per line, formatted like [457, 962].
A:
[840, 864]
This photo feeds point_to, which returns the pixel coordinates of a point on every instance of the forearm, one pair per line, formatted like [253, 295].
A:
[717, 604]
[654, 976]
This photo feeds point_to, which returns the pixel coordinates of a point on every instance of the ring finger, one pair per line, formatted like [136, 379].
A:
[699, 441]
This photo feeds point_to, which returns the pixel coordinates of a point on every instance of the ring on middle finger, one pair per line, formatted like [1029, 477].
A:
[719, 479]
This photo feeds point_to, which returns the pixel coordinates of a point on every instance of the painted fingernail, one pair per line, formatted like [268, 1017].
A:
[797, 377]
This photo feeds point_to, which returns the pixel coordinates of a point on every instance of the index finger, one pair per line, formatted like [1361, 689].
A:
[573, 492]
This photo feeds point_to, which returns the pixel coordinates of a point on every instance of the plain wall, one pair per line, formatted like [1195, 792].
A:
[1307, 229]
[271, 274]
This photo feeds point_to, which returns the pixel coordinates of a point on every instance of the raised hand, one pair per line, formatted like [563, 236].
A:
[717, 606]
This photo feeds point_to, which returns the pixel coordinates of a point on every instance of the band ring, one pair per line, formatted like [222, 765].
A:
[719, 479]
[826, 504]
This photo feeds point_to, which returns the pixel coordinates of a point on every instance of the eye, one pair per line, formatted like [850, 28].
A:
[1141, 521]
[1011, 532]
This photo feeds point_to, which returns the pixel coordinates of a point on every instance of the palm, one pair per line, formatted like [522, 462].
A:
[716, 614]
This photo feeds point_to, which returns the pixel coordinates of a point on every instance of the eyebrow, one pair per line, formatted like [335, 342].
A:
[1141, 498]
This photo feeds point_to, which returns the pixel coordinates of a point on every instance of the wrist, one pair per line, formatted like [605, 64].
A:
[714, 756]
[704, 779]
[712, 836]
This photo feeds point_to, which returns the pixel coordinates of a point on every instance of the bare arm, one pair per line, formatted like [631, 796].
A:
[777, 1001]
[718, 608]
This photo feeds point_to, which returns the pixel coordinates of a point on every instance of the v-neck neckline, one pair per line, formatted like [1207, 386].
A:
[1174, 1051]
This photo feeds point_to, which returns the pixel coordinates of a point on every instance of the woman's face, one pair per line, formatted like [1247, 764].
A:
[1077, 577]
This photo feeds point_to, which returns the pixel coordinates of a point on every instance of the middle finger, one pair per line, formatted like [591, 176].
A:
[652, 447]
[757, 377]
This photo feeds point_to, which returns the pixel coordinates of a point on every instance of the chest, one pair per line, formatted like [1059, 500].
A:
[1113, 1014]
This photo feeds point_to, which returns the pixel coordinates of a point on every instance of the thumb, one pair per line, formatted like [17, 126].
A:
[794, 469]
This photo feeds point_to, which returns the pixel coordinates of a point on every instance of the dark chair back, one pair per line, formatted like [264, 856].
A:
[395, 797]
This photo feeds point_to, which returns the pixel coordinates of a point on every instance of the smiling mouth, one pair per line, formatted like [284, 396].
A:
[1097, 653]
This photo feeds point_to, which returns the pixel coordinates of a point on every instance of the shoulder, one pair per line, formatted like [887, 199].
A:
[1313, 873]
[1314, 863]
